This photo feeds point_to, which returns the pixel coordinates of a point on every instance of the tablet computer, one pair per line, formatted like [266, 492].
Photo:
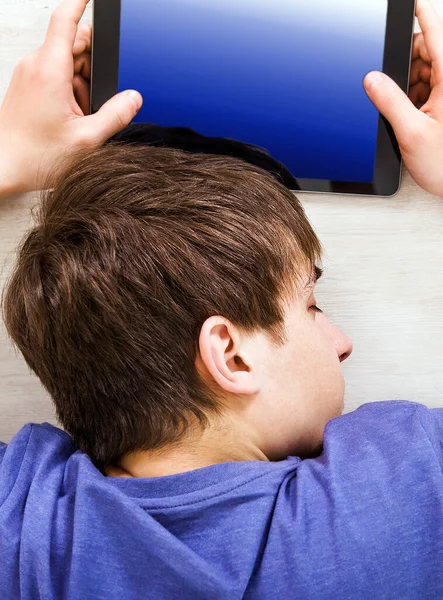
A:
[278, 83]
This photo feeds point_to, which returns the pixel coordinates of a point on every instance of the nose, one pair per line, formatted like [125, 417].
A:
[342, 343]
[345, 348]
[340, 340]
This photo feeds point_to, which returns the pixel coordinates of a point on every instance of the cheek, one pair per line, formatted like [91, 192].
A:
[329, 331]
[309, 358]
[322, 341]
[326, 365]
[312, 356]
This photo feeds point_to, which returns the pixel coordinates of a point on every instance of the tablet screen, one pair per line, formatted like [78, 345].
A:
[284, 76]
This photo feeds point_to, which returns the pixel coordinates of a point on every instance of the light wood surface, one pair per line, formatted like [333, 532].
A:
[383, 280]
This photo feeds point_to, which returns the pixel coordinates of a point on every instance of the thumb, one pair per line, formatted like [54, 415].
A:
[113, 116]
[392, 102]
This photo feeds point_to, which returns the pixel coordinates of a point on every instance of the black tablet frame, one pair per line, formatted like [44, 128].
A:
[396, 64]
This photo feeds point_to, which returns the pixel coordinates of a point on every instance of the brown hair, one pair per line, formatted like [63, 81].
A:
[133, 249]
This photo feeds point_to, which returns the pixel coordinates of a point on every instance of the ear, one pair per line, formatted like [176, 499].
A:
[224, 357]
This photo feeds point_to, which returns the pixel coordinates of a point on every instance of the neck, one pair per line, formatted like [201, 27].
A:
[213, 446]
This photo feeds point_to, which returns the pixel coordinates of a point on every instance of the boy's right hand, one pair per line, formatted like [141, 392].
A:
[418, 131]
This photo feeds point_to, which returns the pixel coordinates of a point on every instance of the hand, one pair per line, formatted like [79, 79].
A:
[82, 67]
[421, 81]
[44, 117]
[419, 131]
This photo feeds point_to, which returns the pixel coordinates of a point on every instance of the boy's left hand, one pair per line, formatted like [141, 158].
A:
[44, 115]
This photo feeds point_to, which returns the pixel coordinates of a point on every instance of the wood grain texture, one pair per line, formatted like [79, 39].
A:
[383, 281]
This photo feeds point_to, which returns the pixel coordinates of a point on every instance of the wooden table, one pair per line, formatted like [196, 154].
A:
[383, 280]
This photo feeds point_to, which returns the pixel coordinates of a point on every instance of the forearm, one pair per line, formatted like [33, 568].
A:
[9, 180]
[7, 189]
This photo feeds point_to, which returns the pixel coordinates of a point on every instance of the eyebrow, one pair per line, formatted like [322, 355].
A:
[316, 274]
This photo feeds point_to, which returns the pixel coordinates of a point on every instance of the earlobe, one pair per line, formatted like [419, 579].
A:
[222, 356]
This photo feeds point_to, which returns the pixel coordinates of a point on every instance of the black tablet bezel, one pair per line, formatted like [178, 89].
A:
[396, 64]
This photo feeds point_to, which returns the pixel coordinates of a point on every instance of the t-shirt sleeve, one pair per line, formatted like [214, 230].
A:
[2, 451]
[35, 448]
[407, 430]
[11, 458]
[433, 425]
[370, 508]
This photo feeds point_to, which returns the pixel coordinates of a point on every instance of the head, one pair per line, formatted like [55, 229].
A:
[159, 291]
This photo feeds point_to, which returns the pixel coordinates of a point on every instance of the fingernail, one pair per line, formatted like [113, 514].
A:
[372, 79]
[136, 98]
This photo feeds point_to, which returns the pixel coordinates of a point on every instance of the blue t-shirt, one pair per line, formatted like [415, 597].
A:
[364, 520]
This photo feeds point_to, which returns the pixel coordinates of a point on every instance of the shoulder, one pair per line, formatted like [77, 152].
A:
[380, 464]
[382, 451]
[33, 449]
[391, 427]
[368, 509]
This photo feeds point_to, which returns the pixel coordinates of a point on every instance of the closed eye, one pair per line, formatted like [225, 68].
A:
[316, 309]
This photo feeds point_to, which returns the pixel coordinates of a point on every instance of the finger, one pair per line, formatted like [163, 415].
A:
[82, 94]
[419, 49]
[82, 66]
[63, 25]
[419, 93]
[420, 71]
[83, 40]
[432, 28]
[434, 106]
[113, 116]
[393, 104]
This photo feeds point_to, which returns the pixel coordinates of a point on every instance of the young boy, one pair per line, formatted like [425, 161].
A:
[166, 301]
